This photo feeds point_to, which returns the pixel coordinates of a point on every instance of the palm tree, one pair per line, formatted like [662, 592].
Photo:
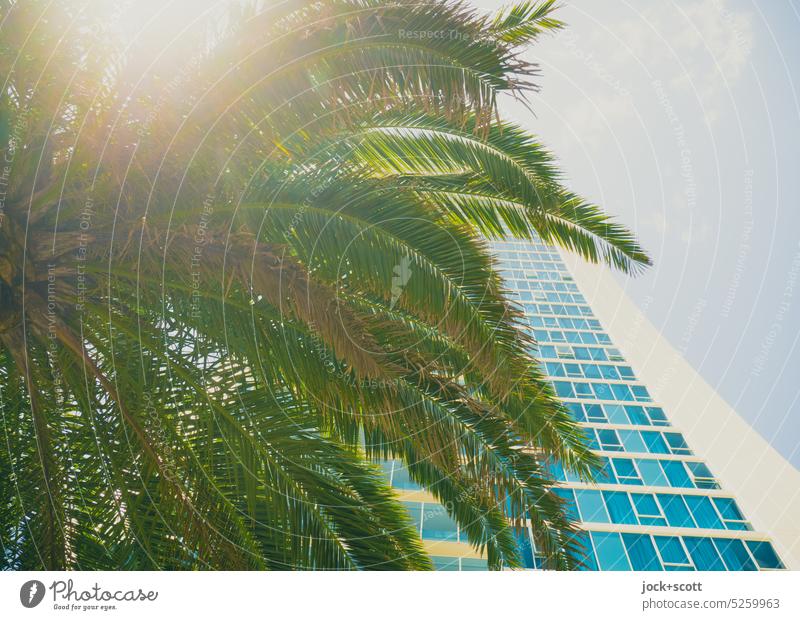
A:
[233, 281]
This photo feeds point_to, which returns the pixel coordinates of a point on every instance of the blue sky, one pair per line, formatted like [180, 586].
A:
[683, 119]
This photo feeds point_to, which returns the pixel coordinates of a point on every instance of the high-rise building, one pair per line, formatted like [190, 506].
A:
[658, 504]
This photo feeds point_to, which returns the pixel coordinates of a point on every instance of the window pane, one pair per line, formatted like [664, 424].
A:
[655, 442]
[734, 554]
[675, 510]
[703, 512]
[637, 415]
[652, 473]
[414, 510]
[632, 441]
[474, 564]
[591, 506]
[619, 507]
[676, 473]
[764, 554]
[657, 415]
[641, 552]
[444, 563]
[671, 550]
[437, 524]
[616, 414]
[610, 552]
[703, 553]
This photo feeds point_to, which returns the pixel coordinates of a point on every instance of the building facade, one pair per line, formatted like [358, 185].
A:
[657, 505]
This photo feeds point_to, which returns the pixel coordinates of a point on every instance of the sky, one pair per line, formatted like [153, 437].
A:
[682, 119]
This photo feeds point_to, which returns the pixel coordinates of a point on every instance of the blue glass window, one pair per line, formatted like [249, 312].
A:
[622, 392]
[764, 554]
[657, 416]
[564, 389]
[401, 478]
[437, 524]
[703, 512]
[647, 509]
[672, 553]
[655, 442]
[703, 553]
[677, 443]
[616, 414]
[626, 372]
[474, 564]
[652, 473]
[626, 472]
[676, 473]
[641, 552]
[576, 411]
[640, 393]
[731, 515]
[525, 547]
[606, 473]
[594, 413]
[734, 554]
[637, 415]
[414, 510]
[619, 507]
[602, 391]
[441, 563]
[591, 505]
[610, 551]
[675, 510]
[609, 440]
[554, 369]
[583, 390]
[632, 441]
[703, 478]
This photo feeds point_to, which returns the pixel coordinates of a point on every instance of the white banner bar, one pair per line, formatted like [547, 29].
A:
[389, 596]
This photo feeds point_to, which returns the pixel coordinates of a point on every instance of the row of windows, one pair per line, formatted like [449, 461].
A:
[571, 352]
[544, 335]
[624, 440]
[545, 276]
[558, 309]
[530, 285]
[527, 264]
[660, 509]
[614, 551]
[618, 414]
[433, 522]
[563, 323]
[520, 253]
[522, 287]
[589, 371]
[602, 391]
[646, 472]
[462, 564]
